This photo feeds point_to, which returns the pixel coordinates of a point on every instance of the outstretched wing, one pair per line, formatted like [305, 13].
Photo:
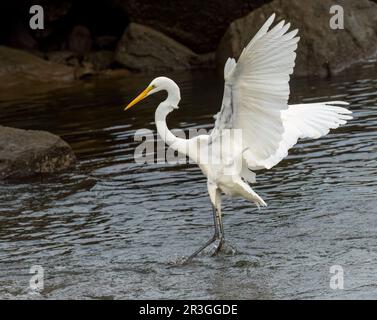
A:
[311, 120]
[257, 90]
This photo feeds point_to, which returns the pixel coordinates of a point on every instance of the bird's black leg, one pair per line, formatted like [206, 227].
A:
[221, 235]
[210, 241]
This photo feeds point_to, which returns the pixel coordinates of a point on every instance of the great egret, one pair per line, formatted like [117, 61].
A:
[255, 105]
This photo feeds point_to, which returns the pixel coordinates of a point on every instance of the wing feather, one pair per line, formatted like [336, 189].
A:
[259, 90]
[256, 96]
[312, 120]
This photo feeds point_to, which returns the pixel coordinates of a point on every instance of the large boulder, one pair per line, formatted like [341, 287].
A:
[17, 66]
[80, 40]
[322, 51]
[27, 152]
[197, 24]
[101, 60]
[144, 49]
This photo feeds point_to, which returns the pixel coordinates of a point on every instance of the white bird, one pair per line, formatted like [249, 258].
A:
[255, 127]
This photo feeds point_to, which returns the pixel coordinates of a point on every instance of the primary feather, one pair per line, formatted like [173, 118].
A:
[256, 96]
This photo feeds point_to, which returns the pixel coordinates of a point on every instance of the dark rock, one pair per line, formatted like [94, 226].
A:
[197, 24]
[114, 73]
[321, 50]
[64, 57]
[21, 38]
[17, 66]
[144, 49]
[42, 34]
[105, 42]
[55, 10]
[27, 152]
[37, 53]
[80, 40]
[85, 70]
[100, 59]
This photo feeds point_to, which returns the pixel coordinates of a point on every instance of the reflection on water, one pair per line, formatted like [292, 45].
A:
[113, 228]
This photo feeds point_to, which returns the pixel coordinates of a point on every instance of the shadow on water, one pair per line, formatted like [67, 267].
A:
[112, 228]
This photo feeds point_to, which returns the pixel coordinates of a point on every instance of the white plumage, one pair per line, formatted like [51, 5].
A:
[255, 126]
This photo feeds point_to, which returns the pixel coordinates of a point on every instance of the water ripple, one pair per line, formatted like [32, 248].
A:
[112, 228]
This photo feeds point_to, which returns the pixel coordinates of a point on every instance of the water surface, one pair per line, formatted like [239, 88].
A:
[114, 229]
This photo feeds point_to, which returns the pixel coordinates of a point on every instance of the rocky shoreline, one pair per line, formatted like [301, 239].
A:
[119, 36]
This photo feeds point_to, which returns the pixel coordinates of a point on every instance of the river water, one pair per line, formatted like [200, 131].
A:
[115, 229]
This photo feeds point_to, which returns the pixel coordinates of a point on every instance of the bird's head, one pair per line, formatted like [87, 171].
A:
[158, 84]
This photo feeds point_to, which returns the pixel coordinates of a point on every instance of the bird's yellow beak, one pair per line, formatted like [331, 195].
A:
[140, 97]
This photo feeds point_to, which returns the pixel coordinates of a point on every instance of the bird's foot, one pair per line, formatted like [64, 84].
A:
[215, 244]
[219, 246]
[207, 244]
[224, 247]
[228, 249]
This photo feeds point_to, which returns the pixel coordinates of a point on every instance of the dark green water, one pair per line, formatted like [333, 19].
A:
[112, 228]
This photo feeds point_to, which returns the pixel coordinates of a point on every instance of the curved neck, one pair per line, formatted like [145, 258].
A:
[162, 129]
[161, 113]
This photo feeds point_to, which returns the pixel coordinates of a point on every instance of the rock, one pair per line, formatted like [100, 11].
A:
[321, 50]
[17, 66]
[114, 73]
[36, 53]
[144, 49]
[21, 38]
[92, 63]
[80, 40]
[64, 57]
[85, 70]
[27, 152]
[100, 60]
[55, 10]
[42, 34]
[198, 25]
[105, 42]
